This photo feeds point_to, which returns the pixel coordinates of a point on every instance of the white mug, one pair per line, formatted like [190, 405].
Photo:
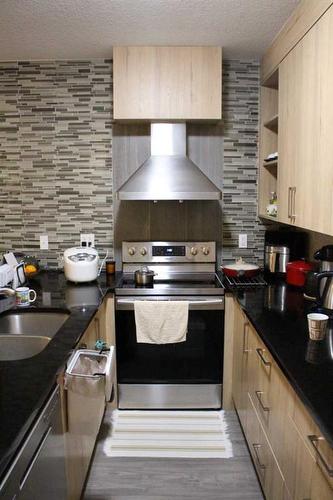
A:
[23, 296]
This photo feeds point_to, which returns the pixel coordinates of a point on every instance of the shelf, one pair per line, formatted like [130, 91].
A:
[270, 164]
[272, 124]
[272, 81]
[268, 217]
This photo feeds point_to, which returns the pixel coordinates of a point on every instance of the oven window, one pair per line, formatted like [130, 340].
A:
[198, 360]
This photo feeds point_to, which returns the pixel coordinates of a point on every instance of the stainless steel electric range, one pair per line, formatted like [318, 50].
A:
[180, 375]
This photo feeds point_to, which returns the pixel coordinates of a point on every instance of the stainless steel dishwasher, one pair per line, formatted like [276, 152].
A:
[38, 471]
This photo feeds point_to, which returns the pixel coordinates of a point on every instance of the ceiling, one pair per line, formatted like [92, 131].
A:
[84, 29]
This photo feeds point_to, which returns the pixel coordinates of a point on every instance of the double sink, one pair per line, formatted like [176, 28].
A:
[24, 334]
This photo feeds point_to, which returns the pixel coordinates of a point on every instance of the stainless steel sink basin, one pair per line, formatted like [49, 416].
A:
[15, 348]
[35, 323]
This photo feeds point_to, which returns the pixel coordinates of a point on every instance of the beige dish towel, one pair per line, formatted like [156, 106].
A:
[161, 321]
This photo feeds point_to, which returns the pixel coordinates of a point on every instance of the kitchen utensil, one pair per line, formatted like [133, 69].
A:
[276, 258]
[311, 285]
[325, 257]
[24, 296]
[296, 272]
[144, 276]
[325, 294]
[81, 264]
[317, 324]
[240, 268]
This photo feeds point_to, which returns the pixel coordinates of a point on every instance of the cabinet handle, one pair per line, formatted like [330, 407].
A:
[293, 203]
[245, 338]
[314, 440]
[259, 394]
[256, 447]
[260, 353]
[289, 202]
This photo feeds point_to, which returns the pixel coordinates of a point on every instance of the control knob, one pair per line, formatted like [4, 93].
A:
[205, 250]
[194, 251]
[131, 251]
[143, 251]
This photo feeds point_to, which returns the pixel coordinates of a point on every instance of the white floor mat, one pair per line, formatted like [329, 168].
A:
[187, 434]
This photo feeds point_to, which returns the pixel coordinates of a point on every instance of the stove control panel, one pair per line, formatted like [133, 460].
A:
[171, 252]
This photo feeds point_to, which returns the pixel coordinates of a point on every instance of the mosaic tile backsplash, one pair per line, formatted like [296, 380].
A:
[56, 156]
[241, 81]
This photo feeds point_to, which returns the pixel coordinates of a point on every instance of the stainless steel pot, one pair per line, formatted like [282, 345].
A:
[144, 277]
[276, 258]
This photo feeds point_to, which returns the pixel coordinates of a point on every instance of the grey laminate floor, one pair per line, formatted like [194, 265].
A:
[174, 478]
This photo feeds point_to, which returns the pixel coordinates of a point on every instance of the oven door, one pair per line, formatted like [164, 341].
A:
[181, 375]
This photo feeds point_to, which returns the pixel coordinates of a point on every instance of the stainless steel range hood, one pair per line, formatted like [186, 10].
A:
[168, 174]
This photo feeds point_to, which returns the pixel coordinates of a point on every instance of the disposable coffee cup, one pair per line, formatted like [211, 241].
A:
[317, 324]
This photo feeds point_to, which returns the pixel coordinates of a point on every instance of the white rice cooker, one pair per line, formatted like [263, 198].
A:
[81, 264]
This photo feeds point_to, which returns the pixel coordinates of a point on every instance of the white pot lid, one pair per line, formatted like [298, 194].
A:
[241, 265]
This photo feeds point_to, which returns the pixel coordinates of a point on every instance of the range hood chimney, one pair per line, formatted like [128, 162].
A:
[168, 174]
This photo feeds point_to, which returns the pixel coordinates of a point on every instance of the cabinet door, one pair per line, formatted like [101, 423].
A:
[91, 335]
[167, 83]
[305, 176]
[240, 364]
[287, 145]
[264, 460]
[320, 488]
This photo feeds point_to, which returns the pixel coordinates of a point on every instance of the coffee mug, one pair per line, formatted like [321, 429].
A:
[23, 296]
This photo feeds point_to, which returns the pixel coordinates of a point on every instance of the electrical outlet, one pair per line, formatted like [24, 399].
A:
[87, 240]
[242, 241]
[44, 242]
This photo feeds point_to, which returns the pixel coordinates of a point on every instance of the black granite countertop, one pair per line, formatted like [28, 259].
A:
[26, 384]
[278, 313]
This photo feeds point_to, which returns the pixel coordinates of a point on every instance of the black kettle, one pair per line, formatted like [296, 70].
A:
[325, 289]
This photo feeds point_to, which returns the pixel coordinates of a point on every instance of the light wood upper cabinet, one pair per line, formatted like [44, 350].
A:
[305, 15]
[167, 83]
[305, 175]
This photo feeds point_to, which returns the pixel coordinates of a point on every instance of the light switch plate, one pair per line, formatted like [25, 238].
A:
[87, 240]
[242, 241]
[44, 242]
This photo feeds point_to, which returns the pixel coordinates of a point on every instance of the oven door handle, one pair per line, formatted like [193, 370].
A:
[193, 304]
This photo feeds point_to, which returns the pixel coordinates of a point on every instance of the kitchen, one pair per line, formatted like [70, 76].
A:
[202, 139]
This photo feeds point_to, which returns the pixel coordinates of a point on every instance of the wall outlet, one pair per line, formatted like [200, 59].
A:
[242, 241]
[87, 240]
[44, 242]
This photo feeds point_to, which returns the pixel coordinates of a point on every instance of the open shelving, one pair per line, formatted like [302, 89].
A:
[269, 125]
[272, 123]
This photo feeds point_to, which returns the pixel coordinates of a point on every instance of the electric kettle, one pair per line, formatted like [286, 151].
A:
[325, 257]
[325, 293]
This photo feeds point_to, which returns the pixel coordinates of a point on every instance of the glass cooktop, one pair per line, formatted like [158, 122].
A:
[209, 287]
